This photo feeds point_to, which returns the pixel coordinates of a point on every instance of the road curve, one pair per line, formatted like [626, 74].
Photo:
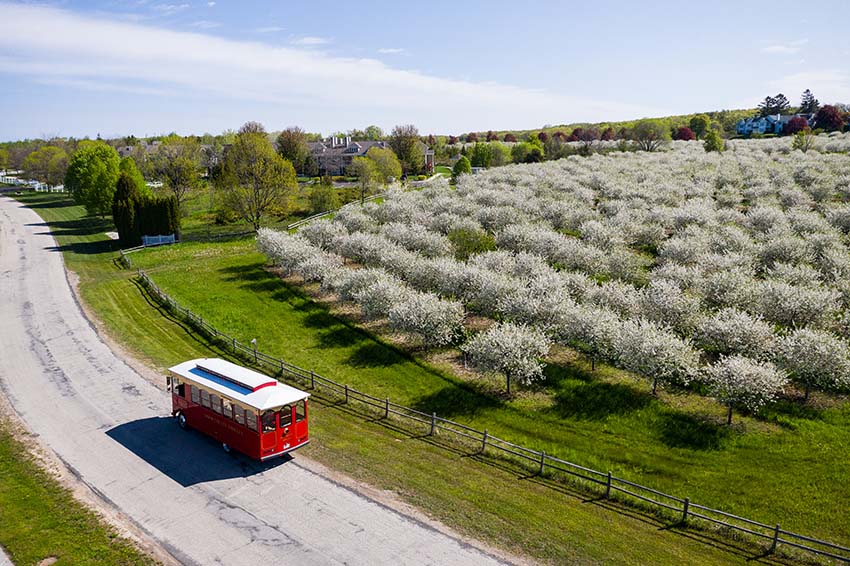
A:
[111, 428]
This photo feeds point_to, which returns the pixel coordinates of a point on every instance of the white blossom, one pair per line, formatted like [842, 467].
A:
[740, 381]
[514, 350]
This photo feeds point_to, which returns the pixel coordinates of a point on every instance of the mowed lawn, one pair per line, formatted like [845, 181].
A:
[597, 423]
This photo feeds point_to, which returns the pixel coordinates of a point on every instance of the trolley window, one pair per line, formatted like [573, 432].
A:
[285, 416]
[226, 408]
[195, 395]
[215, 403]
[251, 419]
[239, 414]
[268, 421]
[205, 398]
[300, 411]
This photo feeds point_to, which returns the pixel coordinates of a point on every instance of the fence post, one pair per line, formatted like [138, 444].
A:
[387, 408]
[542, 462]
[775, 540]
[312, 379]
[608, 487]
[685, 510]
[234, 344]
[346, 393]
[484, 441]
[433, 423]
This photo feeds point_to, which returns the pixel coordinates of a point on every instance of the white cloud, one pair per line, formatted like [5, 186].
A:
[392, 50]
[309, 40]
[168, 9]
[269, 29]
[210, 4]
[247, 75]
[788, 48]
[828, 85]
[205, 24]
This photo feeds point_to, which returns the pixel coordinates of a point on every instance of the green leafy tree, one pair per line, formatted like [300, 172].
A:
[177, 163]
[405, 142]
[292, 145]
[367, 175]
[373, 133]
[650, 135]
[461, 167]
[324, 197]
[47, 164]
[128, 166]
[713, 142]
[467, 242]
[91, 176]
[387, 164]
[255, 180]
[481, 155]
[4, 158]
[804, 140]
[699, 125]
[500, 154]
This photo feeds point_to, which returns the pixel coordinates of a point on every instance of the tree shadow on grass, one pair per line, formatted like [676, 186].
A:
[680, 430]
[579, 395]
[597, 400]
[88, 226]
[784, 411]
[374, 355]
[459, 400]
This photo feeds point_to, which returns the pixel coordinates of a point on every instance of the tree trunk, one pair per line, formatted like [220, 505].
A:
[808, 390]
[655, 386]
[729, 416]
[509, 385]
[592, 364]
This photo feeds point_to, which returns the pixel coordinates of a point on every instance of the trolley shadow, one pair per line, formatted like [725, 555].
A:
[186, 456]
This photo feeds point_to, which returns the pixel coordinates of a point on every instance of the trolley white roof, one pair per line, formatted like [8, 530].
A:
[237, 383]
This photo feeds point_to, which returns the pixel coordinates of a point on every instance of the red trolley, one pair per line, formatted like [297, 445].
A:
[239, 407]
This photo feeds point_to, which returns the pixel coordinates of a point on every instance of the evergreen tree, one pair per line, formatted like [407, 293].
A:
[809, 104]
[773, 105]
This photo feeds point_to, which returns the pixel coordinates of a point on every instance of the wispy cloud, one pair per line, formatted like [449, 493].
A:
[269, 29]
[85, 51]
[309, 41]
[205, 24]
[168, 9]
[788, 48]
[829, 85]
[210, 4]
[392, 50]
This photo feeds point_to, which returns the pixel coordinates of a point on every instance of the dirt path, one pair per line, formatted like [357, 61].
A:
[110, 427]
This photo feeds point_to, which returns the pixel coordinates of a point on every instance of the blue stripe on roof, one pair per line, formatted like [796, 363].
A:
[223, 382]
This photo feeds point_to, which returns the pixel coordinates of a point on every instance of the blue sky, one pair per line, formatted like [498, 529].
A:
[147, 67]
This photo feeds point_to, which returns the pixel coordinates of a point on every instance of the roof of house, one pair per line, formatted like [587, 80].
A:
[239, 384]
[355, 148]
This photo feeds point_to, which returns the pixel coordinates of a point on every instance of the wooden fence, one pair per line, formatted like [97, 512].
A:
[605, 484]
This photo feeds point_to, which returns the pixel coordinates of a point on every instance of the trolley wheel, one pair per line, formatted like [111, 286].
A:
[225, 447]
[181, 421]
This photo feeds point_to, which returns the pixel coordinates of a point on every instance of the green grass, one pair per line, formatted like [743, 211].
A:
[41, 519]
[773, 471]
[444, 171]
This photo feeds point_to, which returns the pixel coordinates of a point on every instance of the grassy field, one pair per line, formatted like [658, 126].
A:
[602, 419]
[444, 171]
[40, 519]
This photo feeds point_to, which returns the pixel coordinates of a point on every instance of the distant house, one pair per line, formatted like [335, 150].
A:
[772, 124]
[334, 155]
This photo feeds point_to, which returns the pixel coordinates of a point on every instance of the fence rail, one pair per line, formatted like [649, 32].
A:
[680, 509]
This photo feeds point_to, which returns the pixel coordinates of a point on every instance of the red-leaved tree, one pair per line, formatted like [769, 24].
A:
[543, 136]
[492, 136]
[685, 134]
[796, 124]
[576, 134]
[607, 134]
[510, 138]
[560, 136]
[452, 140]
[472, 137]
[829, 118]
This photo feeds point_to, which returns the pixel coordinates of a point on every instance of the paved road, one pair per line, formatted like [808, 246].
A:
[110, 426]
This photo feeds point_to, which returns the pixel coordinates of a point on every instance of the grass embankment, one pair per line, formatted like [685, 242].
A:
[444, 171]
[595, 421]
[40, 519]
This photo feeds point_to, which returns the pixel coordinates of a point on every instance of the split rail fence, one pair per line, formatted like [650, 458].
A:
[605, 484]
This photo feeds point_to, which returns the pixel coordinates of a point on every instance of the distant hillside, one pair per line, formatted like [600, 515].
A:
[726, 118]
